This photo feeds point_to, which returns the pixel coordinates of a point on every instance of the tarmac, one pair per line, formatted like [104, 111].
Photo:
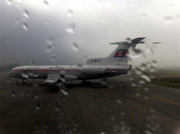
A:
[112, 107]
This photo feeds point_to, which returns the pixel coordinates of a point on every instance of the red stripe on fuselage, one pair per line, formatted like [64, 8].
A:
[117, 69]
[46, 70]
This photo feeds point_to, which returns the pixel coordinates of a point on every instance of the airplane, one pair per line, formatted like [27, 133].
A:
[113, 65]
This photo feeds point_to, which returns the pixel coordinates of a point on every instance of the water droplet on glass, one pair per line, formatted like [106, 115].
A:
[147, 132]
[75, 46]
[38, 106]
[102, 133]
[146, 78]
[168, 20]
[27, 93]
[13, 94]
[18, 4]
[8, 80]
[25, 76]
[16, 22]
[70, 13]
[64, 92]
[71, 28]
[26, 14]
[35, 85]
[18, 54]
[32, 62]
[9, 2]
[138, 94]
[57, 107]
[45, 4]
[25, 26]
[152, 110]
[146, 89]
[119, 101]
[54, 58]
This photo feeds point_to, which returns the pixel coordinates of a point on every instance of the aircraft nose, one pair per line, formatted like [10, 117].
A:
[10, 73]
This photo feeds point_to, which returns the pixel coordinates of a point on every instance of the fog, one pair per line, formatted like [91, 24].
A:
[69, 32]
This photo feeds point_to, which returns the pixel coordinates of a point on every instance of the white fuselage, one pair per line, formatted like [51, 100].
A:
[69, 72]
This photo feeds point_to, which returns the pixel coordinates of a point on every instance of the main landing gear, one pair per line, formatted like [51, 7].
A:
[23, 82]
[84, 82]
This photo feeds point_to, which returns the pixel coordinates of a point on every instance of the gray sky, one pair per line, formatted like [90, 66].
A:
[46, 31]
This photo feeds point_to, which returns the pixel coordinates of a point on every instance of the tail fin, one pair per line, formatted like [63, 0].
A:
[119, 55]
[122, 49]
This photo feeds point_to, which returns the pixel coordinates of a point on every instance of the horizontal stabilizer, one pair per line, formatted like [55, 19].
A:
[129, 41]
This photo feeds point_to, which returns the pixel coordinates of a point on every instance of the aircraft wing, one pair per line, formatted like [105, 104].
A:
[69, 77]
[52, 78]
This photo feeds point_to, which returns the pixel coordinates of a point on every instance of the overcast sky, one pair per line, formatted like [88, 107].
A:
[69, 31]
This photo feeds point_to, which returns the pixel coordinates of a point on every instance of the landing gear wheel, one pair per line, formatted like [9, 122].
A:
[55, 88]
[23, 82]
[84, 82]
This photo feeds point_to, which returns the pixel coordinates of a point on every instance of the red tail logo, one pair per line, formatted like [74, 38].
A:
[121, 53]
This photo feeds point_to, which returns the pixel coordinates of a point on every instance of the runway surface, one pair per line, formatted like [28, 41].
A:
[97, 108]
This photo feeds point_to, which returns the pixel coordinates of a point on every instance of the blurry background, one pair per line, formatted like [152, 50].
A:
[68, 32]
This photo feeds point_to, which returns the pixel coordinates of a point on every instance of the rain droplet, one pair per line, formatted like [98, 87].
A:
[26, 14]
[54, 58]
[18, 4]
[27, 93]
[138, 94]
[35, 85]
[119, 101]
[57, 107]
[76, 47]
[152, 110]
[45, 3]
[146, 78]
[35, 96]
[18, 54]
[146, 89]
[9, 2]
[157, 126]
[70, 13]
[133, 85]
[16, 22]
[8, 80]
[25, 76]
[64, 92]
[122, 113]
[148, 132]
[85, 58]
[38, 106]
[102, 133]
[50, 41]
[168, 20]
[71, 28]
[32, 62]
[13, 94]
[154, 63]
[25, 26]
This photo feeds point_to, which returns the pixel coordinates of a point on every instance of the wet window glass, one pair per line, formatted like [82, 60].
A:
[90, 67]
